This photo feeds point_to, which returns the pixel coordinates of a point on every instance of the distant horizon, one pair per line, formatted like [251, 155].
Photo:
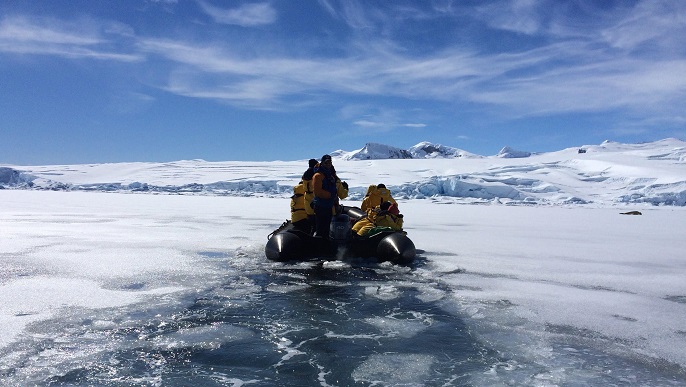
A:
[150, 80]
[607, 175]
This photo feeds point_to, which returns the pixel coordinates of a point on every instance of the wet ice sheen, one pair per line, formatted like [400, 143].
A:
[395, 369]
[312, 323]
[263, 324]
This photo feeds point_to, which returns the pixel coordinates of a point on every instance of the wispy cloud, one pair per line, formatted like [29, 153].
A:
[580, 73]
[520, 16]
[24, 30]
[586, 83]
[375, 119]
[659, 22]
[369, 124]
[352, 12]
[562, 77]
[246, 15]
[612, 64]
[20, 35]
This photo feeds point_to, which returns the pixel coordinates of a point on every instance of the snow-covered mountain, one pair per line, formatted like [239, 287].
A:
[427, 150]
[510, 153]
[374, 151]
[423, 150]
[602, 175]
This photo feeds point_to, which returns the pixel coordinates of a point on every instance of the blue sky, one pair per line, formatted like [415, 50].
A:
[85, 81]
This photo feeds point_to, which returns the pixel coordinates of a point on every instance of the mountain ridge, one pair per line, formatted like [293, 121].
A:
[607, 174]
[422, 150]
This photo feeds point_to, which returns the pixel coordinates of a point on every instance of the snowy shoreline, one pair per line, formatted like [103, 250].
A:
[609, 174]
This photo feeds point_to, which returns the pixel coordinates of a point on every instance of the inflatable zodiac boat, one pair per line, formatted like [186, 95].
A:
[289, 243]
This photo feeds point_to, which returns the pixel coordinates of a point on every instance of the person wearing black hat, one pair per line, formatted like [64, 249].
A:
[325, 196]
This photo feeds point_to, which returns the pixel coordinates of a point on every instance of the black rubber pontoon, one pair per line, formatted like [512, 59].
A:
[289, 243]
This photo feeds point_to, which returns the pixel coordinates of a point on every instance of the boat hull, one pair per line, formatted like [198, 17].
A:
[289, 243]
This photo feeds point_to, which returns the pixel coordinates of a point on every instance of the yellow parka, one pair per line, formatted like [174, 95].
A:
[342, 190]
[375, 196]
[376, 217]
[298, 203]
[308, 196]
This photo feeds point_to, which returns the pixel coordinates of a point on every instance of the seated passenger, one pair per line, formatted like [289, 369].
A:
[375, 196]
[385, 215]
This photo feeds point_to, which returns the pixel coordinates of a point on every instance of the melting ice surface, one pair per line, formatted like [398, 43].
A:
[542, 283]
[125, 289]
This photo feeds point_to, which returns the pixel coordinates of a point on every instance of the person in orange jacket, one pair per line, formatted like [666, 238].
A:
[325, 196]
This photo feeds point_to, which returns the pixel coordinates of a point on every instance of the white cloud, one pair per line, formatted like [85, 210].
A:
[520, 16]
[561, 77]
[379, 120]
[368, 124]
[20, 35]
[648, 21]
[570, 73]
[121, 29]
[655, 26]
[21, 29]
[611, 83]
[355, 14]
[247, 15]
[328, 7]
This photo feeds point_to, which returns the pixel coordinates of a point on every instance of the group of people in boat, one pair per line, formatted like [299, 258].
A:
[316, 199]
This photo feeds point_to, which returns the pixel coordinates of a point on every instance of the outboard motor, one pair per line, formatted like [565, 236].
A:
[354, 212]
[340, 230]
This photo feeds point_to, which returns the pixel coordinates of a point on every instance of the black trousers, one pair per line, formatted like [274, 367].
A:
[323, 217]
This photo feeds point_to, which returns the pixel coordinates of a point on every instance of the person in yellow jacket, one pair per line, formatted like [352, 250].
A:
[376, 194]
[384, 215]
[341, 186]
[298, 205]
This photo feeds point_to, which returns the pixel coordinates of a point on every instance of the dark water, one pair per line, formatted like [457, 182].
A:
[285, 325]
[353, 323]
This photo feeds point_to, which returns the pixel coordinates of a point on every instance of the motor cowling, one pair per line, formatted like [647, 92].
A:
[340, 230]
[354, 212]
